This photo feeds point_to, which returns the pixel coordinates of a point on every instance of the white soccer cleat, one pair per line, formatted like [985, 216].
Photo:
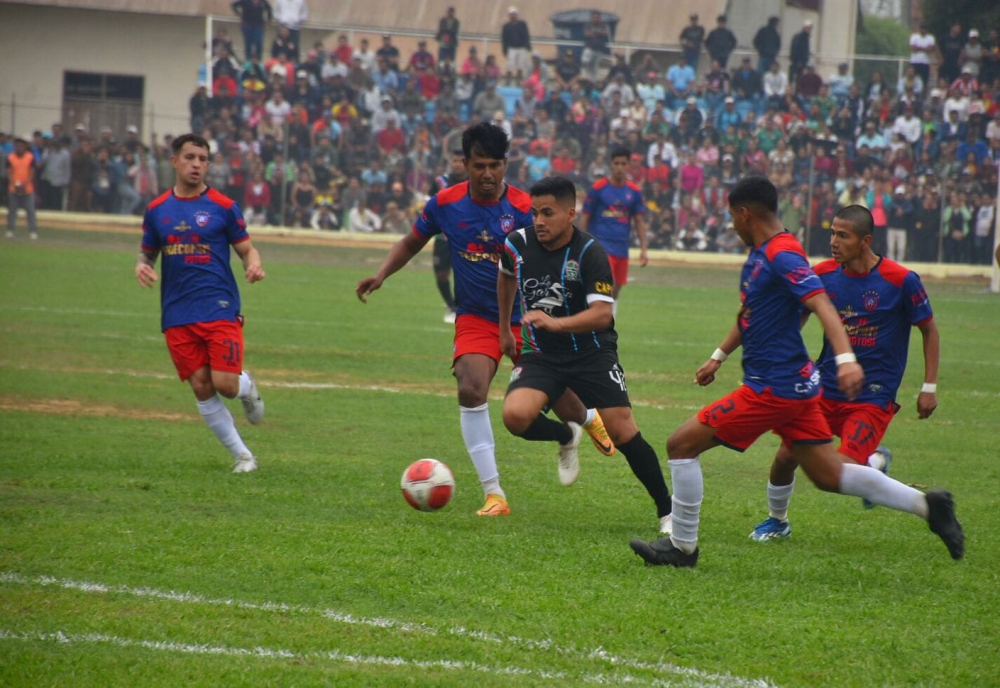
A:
[569, 460]
[245, 463]
[667, 525]
[253, 405]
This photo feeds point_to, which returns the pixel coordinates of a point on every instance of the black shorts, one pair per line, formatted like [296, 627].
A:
[442, 254]
[598, 378]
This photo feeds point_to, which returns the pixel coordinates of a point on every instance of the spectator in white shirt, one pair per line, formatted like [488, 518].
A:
[908, 124]
[278, 108]
[775, 83]
[362, 219]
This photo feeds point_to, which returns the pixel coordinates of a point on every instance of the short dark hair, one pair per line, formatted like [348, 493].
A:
[560, 188]
[485, 139]
[756, 193]
[620, 152]
[196, 139]
[860, 218]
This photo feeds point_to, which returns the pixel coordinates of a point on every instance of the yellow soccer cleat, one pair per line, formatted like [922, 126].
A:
[495, 506]
[599, 435]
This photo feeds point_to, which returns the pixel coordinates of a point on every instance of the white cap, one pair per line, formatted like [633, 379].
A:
[511, 10]
[730, 99]
[900, 189]
[132, 129]
[691, 100]
[973, 33]
[807, 23]
[80, 127]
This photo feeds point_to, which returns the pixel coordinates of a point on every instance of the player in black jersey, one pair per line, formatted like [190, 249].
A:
[442, 255]
[569, 340]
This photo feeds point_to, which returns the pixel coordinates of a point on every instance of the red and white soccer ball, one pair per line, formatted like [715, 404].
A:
[427, 485]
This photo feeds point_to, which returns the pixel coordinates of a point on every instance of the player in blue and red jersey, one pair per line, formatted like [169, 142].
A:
[193, 226]
[612, 207]
[781, 389]
[476, 216]
[879, 302]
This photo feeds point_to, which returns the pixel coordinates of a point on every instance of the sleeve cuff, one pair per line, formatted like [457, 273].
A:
[591, 298]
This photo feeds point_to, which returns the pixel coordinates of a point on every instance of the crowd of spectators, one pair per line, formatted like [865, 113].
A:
[342, 136]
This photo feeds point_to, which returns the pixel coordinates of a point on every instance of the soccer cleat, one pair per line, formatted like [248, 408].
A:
[663, 553]
[245, 463]
[770, 529]
[569, 460]
[253, 405]
[667, 525]
[943, 523]
[887, 457]
[449, 316]
[495, 506]
[599, 435]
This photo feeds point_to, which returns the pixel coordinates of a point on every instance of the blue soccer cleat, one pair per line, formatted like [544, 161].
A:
[887, 456]
[770, 529]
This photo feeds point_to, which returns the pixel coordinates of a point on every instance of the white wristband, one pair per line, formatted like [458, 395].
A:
[929, 388]
[841, 359]
[719, 355]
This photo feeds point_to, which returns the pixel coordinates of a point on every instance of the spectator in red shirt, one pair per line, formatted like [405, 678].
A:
[421, 60]
[390, 138]
[343, 50]
[564, 163]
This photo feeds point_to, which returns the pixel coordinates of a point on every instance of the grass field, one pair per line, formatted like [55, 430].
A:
[129, 555]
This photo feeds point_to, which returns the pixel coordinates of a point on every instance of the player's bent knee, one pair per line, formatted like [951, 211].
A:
[517, 420]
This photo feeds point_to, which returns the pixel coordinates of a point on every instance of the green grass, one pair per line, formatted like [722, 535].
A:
[314, 571]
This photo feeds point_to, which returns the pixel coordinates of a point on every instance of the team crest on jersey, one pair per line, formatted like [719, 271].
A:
[572, 271]
[201, 218]
[507, 224]
[869, 300]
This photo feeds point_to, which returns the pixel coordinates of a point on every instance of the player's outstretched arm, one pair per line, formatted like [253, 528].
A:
[506, 291]
[400, 254]
[251, 261]
[144, 271]
[927, 401]
[705, 375]
[850, 376]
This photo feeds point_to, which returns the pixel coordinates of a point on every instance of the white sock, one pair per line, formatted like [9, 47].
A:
[246, 385]
[220, 421]
[878, 488]
[591, 413]
[688, 492]
[478, 435]
[777, 499]
[876, 461]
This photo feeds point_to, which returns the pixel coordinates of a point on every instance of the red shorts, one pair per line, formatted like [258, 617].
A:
[744, 415]
[475, 335]
[860, 427]
[218, 344]
[619, 270]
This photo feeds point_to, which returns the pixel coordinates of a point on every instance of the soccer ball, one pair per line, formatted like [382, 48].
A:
[427, 485]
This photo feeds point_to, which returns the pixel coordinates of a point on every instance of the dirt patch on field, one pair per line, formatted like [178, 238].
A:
[73, 407]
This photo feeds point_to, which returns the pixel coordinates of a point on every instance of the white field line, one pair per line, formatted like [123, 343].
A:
[546, 644]
[301, 385]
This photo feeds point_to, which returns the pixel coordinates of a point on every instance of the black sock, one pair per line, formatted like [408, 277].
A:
[444, 286]
[544, 429]
[642, 460]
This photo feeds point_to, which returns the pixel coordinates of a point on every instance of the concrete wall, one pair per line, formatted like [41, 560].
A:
[40, 43]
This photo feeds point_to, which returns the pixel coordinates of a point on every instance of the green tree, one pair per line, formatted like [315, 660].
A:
[879, 36]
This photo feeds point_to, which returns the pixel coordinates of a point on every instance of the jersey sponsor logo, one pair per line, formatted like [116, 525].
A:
[182, 226]
[602, 287]
[809, 386]
[484, 236]
[572, 271]
[506, 224]
[802, 273]
[201, 218]
[869, 300]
